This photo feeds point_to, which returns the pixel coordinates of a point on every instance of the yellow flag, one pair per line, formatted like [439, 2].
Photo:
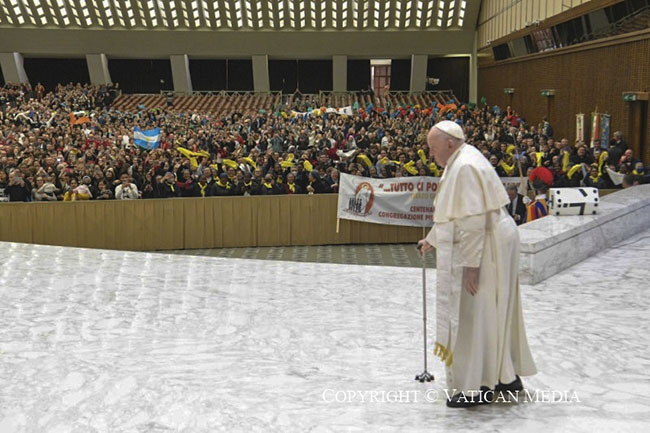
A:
[363, 158]
[250, 161]
[230, 163]
[573, 170]
[422, 156]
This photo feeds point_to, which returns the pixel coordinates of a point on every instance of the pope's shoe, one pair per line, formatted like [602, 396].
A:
[513, 386]
[485, 396]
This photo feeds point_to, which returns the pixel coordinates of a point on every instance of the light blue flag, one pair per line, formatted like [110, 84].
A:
[149, 139]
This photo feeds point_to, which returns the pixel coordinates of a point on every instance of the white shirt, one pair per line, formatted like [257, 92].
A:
[126, 193]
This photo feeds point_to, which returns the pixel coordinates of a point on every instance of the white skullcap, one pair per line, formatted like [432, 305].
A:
[451, 128]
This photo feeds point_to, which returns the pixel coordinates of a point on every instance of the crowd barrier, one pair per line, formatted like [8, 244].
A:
[187, 223]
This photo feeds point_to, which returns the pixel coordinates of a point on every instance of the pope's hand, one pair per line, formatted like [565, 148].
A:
[527, 200]
[424, 246]
[470, 280]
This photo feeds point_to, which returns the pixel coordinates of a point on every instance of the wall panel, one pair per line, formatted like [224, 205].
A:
[583, 78]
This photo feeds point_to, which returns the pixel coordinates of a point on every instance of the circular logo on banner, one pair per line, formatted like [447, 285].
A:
[363, 199]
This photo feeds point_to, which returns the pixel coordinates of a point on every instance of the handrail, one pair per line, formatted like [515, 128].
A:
[392, 92]
[613, 26]
[220, 93]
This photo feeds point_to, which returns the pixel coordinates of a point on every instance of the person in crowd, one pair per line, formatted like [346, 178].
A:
[77, 192]
[316, 184]
[538, 208]
[126, 190]
[186, 185]
[223, 187]
[617, 147]
[630, 180]
[104, 192]
[516, 208]
[44, 190]
[167, 186]
[290, 186]
[269, 187]
[18, 189]
[203, 188]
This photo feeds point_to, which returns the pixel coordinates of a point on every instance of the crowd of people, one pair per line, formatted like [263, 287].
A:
[47, 154]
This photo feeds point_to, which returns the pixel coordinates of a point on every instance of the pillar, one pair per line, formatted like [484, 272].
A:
[261, 81]
[98, 69]
[473, 72]
[181, 73]
[12, 68]
[418, 72]
[340, 73]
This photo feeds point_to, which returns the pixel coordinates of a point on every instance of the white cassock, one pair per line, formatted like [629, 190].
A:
[480, 338]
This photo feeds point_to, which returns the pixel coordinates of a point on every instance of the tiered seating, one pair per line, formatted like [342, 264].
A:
[212, 103]
[241, 102]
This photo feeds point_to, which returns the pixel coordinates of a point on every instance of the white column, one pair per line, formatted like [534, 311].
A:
[261, 81]
[12, 68]
[418, 72]
[340, 73]
[181, 73]
[98, 69]
[473, 73]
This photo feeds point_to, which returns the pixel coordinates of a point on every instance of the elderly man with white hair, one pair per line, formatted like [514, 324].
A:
[479, 324]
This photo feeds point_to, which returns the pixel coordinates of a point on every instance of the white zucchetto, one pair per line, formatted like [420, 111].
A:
[451, 128]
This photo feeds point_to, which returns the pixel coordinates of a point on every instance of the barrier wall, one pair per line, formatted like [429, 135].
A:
[552, 244]
[213, 222]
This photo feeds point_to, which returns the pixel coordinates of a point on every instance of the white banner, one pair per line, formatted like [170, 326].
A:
[580, 127]
[402, 201]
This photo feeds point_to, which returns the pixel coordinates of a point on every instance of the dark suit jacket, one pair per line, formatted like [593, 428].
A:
[519, 210]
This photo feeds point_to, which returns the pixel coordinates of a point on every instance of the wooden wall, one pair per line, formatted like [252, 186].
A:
[214, 222]
[584, 77]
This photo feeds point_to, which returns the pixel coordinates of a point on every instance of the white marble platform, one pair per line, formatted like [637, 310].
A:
[108, 341]
[554, 243]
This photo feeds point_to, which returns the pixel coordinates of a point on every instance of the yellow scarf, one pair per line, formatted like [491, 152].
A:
[203, 187]
[601, 162]
[566, 160]
[422, 156]
[268, 185]
[292, 187]
[409, 166]
[509, 169]
[224, 185]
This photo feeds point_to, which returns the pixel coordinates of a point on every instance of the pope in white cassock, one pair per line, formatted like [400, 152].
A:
[479, 325]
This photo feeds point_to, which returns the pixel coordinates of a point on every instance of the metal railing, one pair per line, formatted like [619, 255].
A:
[220, 93]
[613, 27]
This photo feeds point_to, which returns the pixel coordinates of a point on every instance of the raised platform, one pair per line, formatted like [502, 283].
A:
[98, 341]
[552, 244]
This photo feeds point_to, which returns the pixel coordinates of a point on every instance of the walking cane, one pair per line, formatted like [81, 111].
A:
[424, 376]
